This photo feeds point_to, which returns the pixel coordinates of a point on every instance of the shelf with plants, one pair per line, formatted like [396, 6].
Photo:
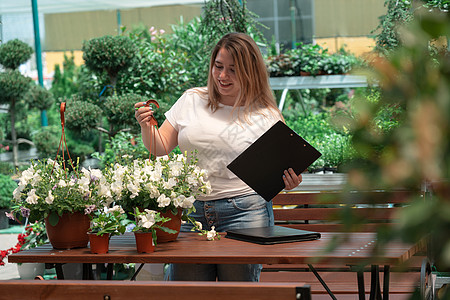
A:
[312, 67]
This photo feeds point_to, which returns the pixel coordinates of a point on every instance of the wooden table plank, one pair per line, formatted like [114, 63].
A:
[191, 248]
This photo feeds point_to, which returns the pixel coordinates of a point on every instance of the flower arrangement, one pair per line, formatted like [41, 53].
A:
[48, 189]
[112, 221]
[34, 236]
[148, 220]
[166, 183]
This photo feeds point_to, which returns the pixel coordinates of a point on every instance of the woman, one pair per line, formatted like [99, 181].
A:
[219, 122]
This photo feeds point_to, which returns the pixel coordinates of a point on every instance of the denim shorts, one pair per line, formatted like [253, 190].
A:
[231, 213]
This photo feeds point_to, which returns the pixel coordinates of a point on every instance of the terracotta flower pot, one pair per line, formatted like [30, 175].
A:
[70, 231]
[174, 223]
[144, 242]
[99, 244]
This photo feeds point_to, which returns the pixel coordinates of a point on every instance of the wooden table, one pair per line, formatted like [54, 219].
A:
[191, 248]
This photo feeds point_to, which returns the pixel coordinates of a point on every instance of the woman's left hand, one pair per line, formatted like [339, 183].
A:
[291, 180]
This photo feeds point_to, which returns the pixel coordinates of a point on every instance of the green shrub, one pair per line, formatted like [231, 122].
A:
[122, 148]
[110, 54]
[7, 186]
[123, 144]
[13, 86]
[335, 146]
[81, 115]
[161, 72]
[46, 141]
[39, 97]
[14, 53]
[119, 111]
[6, 168]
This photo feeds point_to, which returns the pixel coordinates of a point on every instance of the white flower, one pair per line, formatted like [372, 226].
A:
[147, 220]
[104, 191]
[211, 233]
[36, 178]
[178, 201]
[134, 189]
[27, 175]
[32, 198]
[154, 192]
[198, 225]
[192, 180]
[18, 192]
[49, 199]
[116, 208]
[175, 168]
[117, 187]
[96, 174]
[163, 201]
[170, 183]
[206, 188]
[62, 183]
[188, 202]
[84, 184]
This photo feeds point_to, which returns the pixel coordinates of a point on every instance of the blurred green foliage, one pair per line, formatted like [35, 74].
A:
[415, 152]
[14, 53]
[7, 186]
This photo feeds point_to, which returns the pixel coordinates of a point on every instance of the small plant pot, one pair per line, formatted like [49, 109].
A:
[99, 244]
[30, 270]
[144, 242]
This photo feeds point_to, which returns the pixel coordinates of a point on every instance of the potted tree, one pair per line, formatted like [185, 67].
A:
[13, 85]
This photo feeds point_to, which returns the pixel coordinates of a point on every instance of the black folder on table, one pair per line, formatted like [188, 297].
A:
[262, 164]
[272, 235]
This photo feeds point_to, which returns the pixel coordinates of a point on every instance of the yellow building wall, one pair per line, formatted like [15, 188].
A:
[53, 58]
[359, 46]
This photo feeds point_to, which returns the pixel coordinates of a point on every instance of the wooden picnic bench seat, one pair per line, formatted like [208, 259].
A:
[327, 212]
[158, 290]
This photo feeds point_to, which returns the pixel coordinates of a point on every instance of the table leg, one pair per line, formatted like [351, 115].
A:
[322, 282]
[386, 282]
[109, 271]
[375, 293]
[133, 278]
[59, 272]
[361, 287]
[87, 272]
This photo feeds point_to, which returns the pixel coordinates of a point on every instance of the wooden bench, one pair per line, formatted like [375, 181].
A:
[333, 211]
[161, 290]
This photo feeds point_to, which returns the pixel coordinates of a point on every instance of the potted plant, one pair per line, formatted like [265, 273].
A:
[7, 186]
[105, 222]
[146, 223]
[49, 191]
[167, 184]
[33, 236]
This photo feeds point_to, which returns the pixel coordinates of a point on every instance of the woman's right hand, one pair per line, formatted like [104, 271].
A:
[143, 113]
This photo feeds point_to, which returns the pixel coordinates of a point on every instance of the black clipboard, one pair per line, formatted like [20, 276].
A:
[262, 164]
[272, 235]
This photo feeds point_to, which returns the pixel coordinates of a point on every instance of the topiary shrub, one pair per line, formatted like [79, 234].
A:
[110, 54]
[81, 115]
[14, 53]
[119, 111]
[7, 186]
[13, 86]
[39, 97]
[46, 141]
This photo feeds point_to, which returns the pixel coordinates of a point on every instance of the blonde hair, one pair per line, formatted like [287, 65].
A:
[251, 73]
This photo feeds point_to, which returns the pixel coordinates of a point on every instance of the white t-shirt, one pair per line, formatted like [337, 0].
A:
[219, 137]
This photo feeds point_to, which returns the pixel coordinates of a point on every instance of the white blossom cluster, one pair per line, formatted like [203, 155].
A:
[47, 186]
[166, 182]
